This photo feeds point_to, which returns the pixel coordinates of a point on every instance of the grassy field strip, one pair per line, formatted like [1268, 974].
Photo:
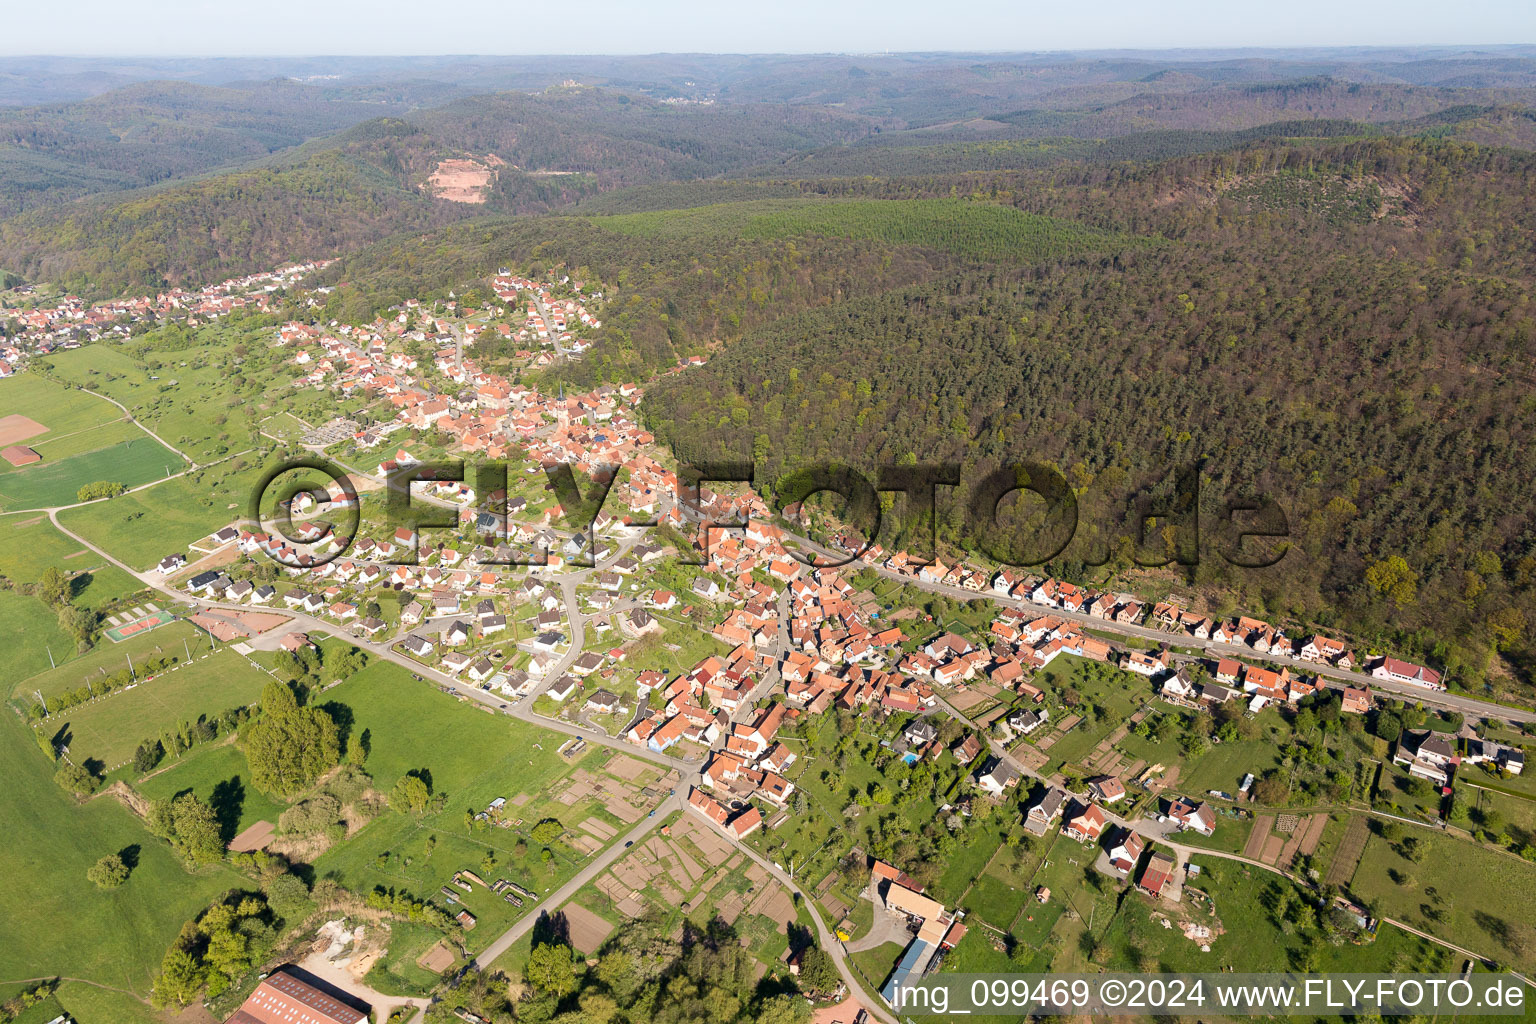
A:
[50, 484]
[111, 727]
[113, 937]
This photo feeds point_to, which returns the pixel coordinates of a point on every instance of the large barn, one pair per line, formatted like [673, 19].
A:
[284, 998]
[20, 455]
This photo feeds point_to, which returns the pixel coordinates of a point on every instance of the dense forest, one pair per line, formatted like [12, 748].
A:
[1366, 364]
[335, 194]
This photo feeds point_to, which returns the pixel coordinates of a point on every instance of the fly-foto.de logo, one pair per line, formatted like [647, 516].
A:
[1020, 514]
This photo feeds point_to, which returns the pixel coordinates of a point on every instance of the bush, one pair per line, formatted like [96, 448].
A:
[76, 779]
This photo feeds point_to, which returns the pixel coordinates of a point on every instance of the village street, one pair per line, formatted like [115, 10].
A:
[1430, 698]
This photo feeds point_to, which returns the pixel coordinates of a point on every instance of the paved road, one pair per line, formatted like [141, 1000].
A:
[595, 867]
[310, 623]
[538, 304]
[824, 936]
[687, 770]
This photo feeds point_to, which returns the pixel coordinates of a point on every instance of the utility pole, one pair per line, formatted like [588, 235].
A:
[129, 660]
[51, 663]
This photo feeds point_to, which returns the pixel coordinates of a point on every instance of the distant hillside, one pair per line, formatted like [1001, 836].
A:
[155, 131]
[368, 181]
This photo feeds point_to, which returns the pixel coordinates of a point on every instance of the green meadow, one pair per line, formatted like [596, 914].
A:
[55, 923]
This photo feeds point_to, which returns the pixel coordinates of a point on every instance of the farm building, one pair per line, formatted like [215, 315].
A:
[284, 998]
[20, 455]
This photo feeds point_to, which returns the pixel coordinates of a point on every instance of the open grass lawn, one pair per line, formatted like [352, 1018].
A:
[1475, 897]
[1400, 793]
[32, 630]
[996, 902]
[131, 462]
[1517, 813]
[1524, 783]
[473, 757]
[979, 953]
[1231, 835]
[107, 658]
[967, 861]
[61, 409]
[875, 965]
[206, 769]
[1165, 749]
[675, 650]
[109, 729]
[30, 544]
[1224, 764]
[52, 921]
[144, 527]
[1064, 873]
[88, 1004]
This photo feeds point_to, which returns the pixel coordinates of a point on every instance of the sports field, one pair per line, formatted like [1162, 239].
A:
[111, 728]
[106, 659]
[154, 620]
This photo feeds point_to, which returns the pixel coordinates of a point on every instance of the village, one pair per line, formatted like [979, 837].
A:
[720, 651]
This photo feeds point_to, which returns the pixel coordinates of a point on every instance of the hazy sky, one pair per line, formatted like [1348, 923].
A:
[303, 27]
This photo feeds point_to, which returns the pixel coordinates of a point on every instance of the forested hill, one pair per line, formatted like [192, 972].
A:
[336, 194]
[1365, 361]
[318, 170]
[155, 131]
[1333, 323]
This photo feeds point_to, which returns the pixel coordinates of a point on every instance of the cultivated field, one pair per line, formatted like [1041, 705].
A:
[82, 439]
[59, 409]
[47, 484]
